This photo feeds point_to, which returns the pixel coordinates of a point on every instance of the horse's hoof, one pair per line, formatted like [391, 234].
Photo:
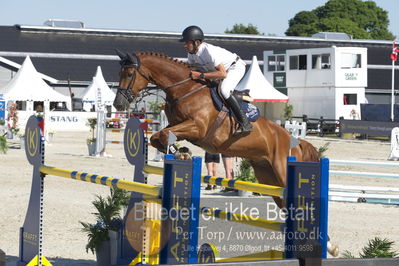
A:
[182, 156]
[183, 153]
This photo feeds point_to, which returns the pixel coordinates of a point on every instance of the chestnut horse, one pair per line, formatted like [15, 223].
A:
[191, 114]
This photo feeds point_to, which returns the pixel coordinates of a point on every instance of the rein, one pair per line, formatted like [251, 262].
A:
[176, 84]
[132, 60]
[150, 80]
[173, 85]
[187, 94]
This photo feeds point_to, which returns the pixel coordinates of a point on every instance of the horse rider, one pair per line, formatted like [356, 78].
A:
[213, 62]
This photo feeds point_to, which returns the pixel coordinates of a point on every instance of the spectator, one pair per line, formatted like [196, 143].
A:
[212, 161]
[228, 163]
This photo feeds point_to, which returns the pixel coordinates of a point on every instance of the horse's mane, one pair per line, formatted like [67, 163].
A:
[166, 57]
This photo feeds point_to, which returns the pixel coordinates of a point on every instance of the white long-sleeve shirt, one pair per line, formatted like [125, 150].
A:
[209, 56]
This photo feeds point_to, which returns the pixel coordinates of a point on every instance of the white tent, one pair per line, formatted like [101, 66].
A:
[27, 85]
[89, 95]
[259, 88]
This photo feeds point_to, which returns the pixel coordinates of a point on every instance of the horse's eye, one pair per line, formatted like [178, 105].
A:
[129, 75]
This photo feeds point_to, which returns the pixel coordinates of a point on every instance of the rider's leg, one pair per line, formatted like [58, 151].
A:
[234, 75]
[245, 125]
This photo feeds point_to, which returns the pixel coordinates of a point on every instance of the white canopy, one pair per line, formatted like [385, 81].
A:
[259, 88]
[27, 85]
[89, 95]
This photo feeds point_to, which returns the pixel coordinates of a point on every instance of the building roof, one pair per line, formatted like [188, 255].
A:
[75, 53]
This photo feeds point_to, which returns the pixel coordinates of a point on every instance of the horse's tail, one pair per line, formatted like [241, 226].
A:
[309, 152]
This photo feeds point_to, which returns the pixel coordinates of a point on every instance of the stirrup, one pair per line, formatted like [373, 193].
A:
[241, 130]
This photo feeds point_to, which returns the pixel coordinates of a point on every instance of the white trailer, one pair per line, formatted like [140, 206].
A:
[328, 82]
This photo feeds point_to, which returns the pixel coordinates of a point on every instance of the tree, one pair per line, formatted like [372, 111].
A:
[362, 20]
[242, 29]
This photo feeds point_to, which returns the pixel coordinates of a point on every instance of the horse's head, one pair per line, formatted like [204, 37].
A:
[131, 80]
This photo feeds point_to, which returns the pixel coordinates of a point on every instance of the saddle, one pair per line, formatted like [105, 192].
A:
[251, 111]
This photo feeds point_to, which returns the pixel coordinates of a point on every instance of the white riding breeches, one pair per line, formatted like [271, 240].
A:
[234, 75]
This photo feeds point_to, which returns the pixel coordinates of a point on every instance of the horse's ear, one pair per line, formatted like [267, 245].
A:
[134, 59]
[120, 54]
[131, 58]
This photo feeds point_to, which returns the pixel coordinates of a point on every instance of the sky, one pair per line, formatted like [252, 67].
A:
[213, 16]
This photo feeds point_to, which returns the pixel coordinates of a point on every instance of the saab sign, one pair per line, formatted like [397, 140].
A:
[351, 76]
[279, 80]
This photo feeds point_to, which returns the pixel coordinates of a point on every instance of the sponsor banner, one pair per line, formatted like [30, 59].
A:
[69, 121]
[60, 121]
[371, 128]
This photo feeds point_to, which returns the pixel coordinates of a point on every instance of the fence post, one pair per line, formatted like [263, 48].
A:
[180, 200]
[30, 245]
[307, 208]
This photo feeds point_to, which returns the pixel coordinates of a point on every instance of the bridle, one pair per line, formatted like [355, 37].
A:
[131, 61]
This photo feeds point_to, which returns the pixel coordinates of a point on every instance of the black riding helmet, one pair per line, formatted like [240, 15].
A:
[192, 33]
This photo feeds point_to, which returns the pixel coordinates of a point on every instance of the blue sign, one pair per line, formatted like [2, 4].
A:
[308, 197]
[2, 109]
[181, 196]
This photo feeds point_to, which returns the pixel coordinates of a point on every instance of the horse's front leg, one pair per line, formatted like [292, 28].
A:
[156, 142]
[187, 130]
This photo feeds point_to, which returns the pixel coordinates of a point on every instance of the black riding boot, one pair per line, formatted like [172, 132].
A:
[245, 126]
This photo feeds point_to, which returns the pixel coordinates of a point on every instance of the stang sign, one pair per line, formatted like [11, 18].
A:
[69, 121]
